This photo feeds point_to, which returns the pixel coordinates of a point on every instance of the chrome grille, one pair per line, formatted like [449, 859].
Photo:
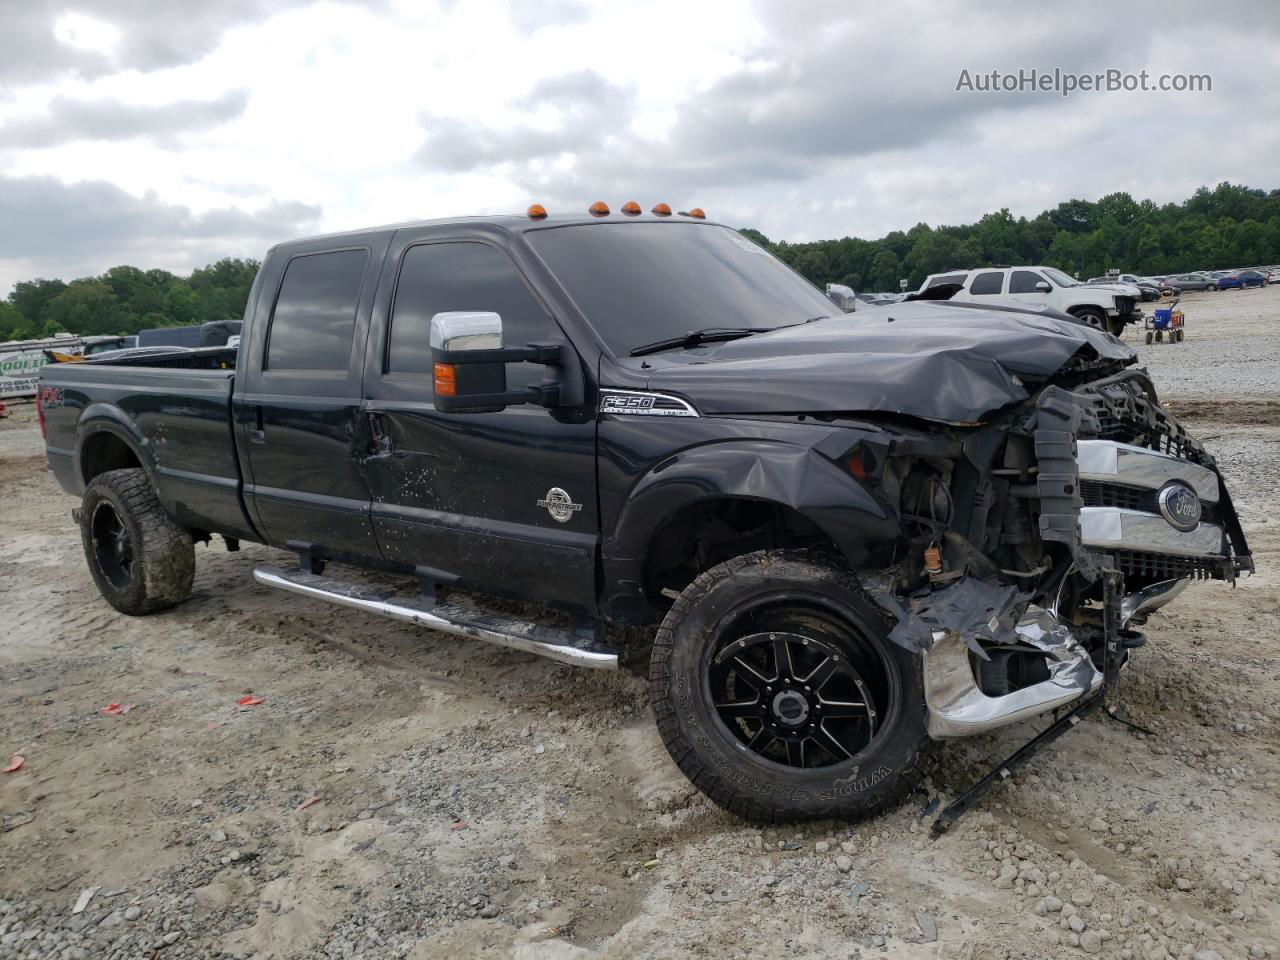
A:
[1159, 566]
[1096, 493]
[1127, 450]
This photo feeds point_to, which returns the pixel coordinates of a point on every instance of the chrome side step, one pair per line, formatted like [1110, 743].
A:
[574, 647]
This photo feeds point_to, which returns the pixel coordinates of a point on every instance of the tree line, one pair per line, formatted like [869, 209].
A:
[126, 300]
[1228, 226]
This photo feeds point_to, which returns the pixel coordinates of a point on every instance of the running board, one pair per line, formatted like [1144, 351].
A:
[576, 647]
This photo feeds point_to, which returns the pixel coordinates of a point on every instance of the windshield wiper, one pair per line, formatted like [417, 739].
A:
[696, 337]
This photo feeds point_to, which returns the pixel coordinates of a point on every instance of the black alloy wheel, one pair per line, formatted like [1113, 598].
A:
[799, 699]
[112, 545]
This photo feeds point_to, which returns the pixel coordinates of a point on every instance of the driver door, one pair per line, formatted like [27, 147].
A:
[1029, 286]
[475, 496]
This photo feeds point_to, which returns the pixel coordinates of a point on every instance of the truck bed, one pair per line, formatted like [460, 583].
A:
[203, 358]
[170, 413]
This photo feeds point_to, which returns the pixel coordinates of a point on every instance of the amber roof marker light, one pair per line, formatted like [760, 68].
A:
[696, 213]
[537, 212]
[631, 208]
[598, 209]
[661, 210]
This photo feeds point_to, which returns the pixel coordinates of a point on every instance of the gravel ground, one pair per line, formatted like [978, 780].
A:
[400, 793]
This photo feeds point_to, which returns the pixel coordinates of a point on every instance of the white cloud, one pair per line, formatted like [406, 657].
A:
[807, 119]
[86, 33]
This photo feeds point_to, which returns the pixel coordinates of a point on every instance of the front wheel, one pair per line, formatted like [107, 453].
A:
[1212, 286]
[1093, 316]
[778, 694]
[140, 559]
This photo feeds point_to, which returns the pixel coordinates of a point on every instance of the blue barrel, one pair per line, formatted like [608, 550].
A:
[1163, 318]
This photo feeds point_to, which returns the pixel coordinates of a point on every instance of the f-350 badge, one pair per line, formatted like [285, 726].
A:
[560, 505]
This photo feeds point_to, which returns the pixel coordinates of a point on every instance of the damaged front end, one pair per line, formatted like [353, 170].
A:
[957, 701]
[1037, 542]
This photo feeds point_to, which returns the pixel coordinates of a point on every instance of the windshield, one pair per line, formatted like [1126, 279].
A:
[638, 283]
[1060, 278]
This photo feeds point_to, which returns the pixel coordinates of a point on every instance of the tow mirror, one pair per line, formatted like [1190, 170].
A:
[469, 366]
[1043, 286]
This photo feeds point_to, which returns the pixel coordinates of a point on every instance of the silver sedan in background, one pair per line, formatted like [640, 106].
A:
[1191, 281]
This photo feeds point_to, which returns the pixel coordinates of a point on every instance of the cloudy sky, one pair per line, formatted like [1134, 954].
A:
[170, 133]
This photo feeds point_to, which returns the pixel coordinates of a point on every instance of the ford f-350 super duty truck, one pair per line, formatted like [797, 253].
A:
[854, 533]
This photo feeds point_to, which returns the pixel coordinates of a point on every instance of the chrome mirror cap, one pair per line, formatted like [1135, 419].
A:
[466, 330]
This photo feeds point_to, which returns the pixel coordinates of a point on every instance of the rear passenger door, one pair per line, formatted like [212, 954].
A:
[505, 502]
[297, 405]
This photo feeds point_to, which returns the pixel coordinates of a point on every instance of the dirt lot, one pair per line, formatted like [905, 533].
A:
[400, 793]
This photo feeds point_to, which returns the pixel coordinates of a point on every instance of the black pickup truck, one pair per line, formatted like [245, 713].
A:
[855, 533]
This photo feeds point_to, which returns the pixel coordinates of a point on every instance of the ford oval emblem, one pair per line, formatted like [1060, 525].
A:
[1180, 506]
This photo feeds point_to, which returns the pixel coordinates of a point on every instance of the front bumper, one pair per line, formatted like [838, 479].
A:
[957, 707]
[1126, 308]
[1106, 458]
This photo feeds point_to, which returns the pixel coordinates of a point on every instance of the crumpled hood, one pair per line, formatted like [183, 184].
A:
[933, 360]
[1123, 289]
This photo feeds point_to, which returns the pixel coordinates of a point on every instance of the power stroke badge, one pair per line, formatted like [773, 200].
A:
[559, 504]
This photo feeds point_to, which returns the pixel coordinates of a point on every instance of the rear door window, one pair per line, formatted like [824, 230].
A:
[315, 313]
[986, 284]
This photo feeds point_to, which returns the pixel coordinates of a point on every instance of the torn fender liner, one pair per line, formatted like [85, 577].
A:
[967, 607]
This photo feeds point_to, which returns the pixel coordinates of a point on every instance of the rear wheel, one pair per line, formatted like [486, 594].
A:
[140, 559]
[1212, 286]
[778, 694]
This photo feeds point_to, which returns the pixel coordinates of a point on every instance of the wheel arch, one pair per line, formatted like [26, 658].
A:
[755, 494]
[109, 441]
[1077, 309]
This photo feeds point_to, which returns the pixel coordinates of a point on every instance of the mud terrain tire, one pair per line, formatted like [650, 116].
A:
[785, 591]
[140, 559]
